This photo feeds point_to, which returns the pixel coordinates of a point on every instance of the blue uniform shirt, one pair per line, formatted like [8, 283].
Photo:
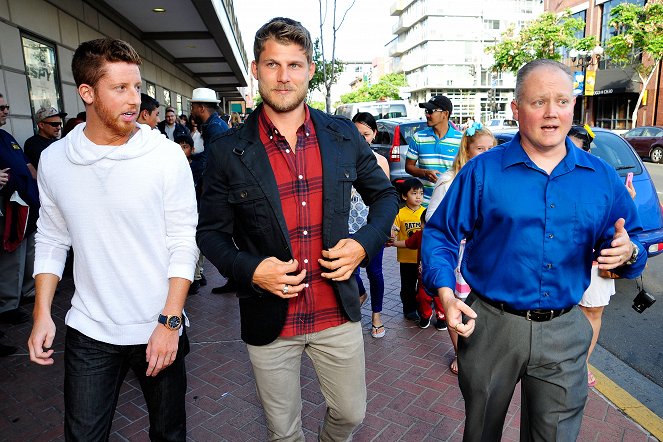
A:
[530, 236]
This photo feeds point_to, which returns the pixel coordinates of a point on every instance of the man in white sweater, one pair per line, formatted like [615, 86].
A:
[122, 196]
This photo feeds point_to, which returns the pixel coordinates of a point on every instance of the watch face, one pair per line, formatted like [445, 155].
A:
[174, 322]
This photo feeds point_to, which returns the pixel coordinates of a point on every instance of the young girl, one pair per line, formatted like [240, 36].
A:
[476, 140]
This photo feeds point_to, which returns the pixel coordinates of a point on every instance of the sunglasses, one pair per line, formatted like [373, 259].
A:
[52, 123]
[4, 107]
[432, 111]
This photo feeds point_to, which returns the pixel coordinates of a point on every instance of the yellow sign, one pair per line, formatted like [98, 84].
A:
[590, 79]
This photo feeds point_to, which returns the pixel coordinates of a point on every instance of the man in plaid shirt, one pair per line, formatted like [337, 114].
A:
[274, 215]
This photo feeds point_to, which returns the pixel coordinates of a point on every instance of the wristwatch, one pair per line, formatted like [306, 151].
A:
[634, 255]
[171, 322]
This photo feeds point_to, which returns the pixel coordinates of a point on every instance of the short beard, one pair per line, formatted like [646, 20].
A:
[280, 106]
[111, 122]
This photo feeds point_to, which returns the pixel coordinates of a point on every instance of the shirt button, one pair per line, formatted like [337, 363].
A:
[287, 151]
[303, 203]
[306, 285]
[306, 261]
[551, 236]
[301, 177]
[307, 134]
[545, 293]
[549, 266]
[552, 206]
[305, 232]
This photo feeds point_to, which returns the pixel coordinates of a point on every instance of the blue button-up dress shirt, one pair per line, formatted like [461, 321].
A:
[531, 236]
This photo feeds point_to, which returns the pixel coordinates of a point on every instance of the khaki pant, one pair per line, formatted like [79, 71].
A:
[338, 358]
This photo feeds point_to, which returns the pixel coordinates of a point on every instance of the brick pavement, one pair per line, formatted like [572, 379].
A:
[412, 396]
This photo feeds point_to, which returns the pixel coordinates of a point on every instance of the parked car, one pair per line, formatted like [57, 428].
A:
[647, 142]
[619, 154]
[501, 123]
[379, 109]
[392, 140]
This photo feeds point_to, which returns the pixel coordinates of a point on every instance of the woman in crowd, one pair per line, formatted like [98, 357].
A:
[368, 128]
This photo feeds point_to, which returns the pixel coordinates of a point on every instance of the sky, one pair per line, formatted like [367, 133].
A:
[362, 37]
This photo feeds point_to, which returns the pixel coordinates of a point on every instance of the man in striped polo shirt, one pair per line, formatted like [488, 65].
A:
[432, 150]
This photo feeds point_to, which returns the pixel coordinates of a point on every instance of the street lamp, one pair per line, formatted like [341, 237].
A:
[582, 59]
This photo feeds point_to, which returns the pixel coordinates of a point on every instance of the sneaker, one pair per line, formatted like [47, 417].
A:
[424, 322]
[441, 324]
[412, 316]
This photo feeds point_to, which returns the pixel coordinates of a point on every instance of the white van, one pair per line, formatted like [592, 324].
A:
[379, 109]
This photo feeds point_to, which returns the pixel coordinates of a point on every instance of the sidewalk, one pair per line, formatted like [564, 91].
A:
[412, 396]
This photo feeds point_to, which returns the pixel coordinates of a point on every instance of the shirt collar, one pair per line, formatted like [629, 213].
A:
[515, 154]
[266, 124]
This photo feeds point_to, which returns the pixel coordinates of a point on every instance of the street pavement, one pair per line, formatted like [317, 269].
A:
[412, 396]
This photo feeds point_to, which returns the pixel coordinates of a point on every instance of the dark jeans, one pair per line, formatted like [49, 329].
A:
[375, 277]
[94, 372]
[409, 276]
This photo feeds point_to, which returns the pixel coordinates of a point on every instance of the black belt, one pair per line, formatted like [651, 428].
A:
[538, 315]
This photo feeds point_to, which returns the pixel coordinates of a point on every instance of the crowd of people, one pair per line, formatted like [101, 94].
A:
[495, 244]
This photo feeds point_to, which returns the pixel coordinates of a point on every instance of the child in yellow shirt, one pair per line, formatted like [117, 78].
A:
[406, 223]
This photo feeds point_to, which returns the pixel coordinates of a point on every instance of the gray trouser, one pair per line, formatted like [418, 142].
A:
[337, 354]
[16, 268]
[549, 360]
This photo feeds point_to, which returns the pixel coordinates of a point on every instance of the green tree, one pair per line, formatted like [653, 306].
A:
[386, 88]
[542, 37]
[320, 105]
[331, 71]
[638, 41]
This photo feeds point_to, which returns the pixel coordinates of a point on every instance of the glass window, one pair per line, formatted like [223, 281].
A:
[166, 97]
[179, 104]
[42, 73]
[151, 90]
[606, 31]
[637, 132]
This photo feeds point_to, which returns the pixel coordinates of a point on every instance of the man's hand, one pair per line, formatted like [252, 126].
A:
[620, 249]
[272, 276]
[454, 309]
[161, 349]
[41, 340]
[342, 259]
[430, 175]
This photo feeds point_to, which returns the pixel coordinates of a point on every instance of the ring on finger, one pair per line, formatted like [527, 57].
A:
[456, 326]
[286, 289]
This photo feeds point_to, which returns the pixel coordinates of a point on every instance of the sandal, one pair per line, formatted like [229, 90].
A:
[453, 366]
[378, 331]
[591, 380]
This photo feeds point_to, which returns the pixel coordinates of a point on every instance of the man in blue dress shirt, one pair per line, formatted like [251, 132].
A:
[535, 212]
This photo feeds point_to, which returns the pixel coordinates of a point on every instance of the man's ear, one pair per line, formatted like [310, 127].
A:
[311, 71]
[254, 69]
[514, 109]
[87, 93]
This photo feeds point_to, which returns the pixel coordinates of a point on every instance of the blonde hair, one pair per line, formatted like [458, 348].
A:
[463, 155]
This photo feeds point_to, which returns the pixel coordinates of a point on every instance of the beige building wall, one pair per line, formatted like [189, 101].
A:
[67, 23]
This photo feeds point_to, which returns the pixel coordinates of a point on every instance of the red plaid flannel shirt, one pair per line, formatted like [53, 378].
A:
[298, 176]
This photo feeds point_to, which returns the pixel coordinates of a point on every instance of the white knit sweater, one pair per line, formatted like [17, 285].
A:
[129, 212]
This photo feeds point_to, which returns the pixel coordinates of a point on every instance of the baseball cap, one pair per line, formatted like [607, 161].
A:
[438, 102]
[46, 112]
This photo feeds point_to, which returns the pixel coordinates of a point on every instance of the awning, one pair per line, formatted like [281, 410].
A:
[617, 81]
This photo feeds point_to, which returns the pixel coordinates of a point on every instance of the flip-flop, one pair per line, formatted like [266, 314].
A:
[378, 331]
[451, 366]
[591, 380]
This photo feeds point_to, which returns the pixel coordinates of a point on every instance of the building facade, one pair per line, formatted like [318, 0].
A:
[440, 45]
[184, 44]
[611, 101]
